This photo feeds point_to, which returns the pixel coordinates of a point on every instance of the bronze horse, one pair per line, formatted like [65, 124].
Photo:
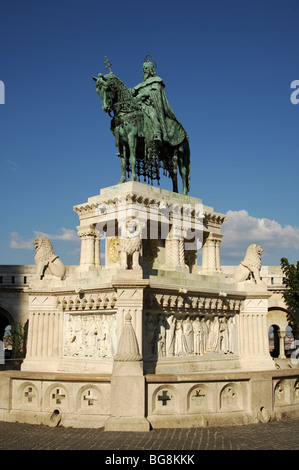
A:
[139, 153]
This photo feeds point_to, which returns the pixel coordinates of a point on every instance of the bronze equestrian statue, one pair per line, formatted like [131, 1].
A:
[147, 133]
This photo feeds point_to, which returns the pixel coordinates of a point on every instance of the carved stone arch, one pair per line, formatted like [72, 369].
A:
[56, 397]
[98, 302]
[113, 301]
[70, 304]
[28, 395]
[277, 323]
[231, 397]
[77, 303]
[277, 316]
[106, 301]
[91, 302]
[64, 303]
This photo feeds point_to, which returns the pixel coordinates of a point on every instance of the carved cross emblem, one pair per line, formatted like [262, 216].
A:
[164, 398]
[58, 396]
[229, 396]
[89, 397]
[29, 394]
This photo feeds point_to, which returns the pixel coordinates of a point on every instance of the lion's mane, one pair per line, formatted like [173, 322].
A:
[252, 258]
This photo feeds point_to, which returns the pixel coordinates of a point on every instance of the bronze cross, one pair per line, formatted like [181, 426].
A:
[107, 63]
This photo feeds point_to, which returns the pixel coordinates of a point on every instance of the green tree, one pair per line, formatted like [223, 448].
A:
[17, 338]
[291, 295]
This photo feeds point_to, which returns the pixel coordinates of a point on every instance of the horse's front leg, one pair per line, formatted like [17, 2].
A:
[132, 140]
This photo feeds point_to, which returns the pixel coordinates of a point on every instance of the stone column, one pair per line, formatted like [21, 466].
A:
[174, 250]
[211, 254]
[209, 260]
[281, 336]
[218, 263]
[87, 235]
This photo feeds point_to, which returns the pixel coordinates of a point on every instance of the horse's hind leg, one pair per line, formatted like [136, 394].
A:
[183, 173]
[174, 174]
[123, 161]
[175, 184]
[132, 148]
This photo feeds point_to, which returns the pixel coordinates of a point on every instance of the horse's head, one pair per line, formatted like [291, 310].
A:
[106, 92]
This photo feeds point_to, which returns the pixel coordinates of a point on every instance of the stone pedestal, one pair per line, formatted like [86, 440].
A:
[148, 337]
[127, 398]
[253, 342]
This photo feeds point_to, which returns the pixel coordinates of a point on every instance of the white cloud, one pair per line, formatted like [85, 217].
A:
[66, 235]
[17, 242]
[241, 229]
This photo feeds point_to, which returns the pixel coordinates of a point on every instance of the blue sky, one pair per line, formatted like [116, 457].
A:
[228, 66]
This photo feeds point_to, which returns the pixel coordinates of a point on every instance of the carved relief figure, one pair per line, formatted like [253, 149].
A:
[170, 335]
[161, 337]
[46, 260]
[204, 335]
[91, 336]
[223, 336]
[197, 336]
[251, 265]
[166, 335]
[180, 347]
[213, 338]
[113, 334]
[231, 337]
[188, 333]
[150, 335]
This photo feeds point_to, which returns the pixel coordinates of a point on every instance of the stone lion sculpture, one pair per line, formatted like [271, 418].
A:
[46, 260]
[130, 244]
[251, 265]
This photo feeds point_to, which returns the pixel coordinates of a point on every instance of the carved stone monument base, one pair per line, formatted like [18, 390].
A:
[147, 336]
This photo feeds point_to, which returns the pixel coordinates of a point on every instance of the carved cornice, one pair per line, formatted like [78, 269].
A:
[192, 303]
[87, 303]
[184, 208]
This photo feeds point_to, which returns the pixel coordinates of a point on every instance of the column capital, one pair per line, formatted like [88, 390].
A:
[86, 230]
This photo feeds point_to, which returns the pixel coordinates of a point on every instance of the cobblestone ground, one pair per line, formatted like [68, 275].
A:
[280, 435]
